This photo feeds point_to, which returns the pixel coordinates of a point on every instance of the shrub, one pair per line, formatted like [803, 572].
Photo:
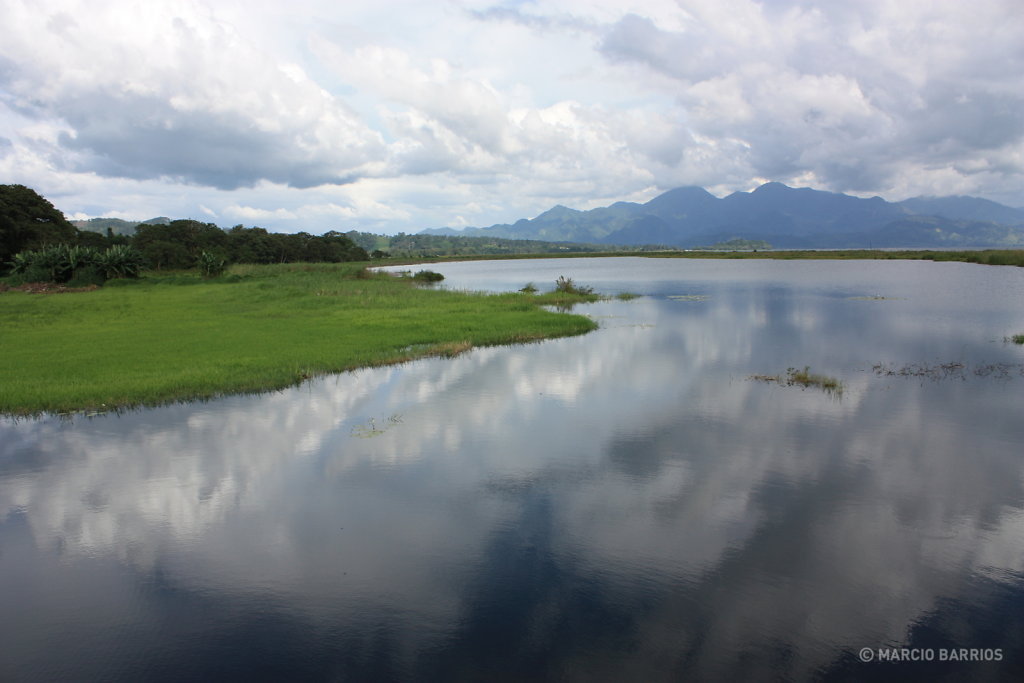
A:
[79, 265]
[566, 285]
[530, 288]
[212, 265]
[427, 276]
[119, 261]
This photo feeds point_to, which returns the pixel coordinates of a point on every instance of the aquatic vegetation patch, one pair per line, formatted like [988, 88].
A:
[805, 379]
[688, 297]
[565, 285]
[873, 297]
[932, 371]
[370, 428]
[951, 370]
[1015, 339]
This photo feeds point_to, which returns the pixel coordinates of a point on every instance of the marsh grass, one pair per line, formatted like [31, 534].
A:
[566, 285]
[1016, 339]
[804, 378]
[258, 328]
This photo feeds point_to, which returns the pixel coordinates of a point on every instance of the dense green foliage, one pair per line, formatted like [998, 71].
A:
[428, 276]
[75, 265]
[422, 245]
[152, 340]
[28, 221]
[180, 244]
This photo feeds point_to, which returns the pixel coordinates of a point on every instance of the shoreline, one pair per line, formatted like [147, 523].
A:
[262, 328]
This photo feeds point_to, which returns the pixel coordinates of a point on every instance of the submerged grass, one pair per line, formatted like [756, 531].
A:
[259, 328]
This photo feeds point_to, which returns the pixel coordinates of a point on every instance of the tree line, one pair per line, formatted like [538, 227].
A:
[30, 225]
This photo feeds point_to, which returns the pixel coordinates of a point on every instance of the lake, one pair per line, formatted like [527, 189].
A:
[626, 505]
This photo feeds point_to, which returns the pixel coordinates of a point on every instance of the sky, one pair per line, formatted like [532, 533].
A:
[394, 116]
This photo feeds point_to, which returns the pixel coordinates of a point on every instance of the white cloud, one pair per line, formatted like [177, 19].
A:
[251, 214]
[256, 110]
[168, 90]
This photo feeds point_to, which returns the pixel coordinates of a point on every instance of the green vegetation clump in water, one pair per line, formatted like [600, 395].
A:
[566, 285]
[259, 327]
[804, 378]
[1017, 339]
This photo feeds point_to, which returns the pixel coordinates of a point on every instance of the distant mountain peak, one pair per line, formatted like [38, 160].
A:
[781, 215]
[558, 210]
[772, 186]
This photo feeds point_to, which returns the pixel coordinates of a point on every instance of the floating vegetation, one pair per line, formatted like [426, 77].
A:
[953, 370]
[629, 296]
[804, 378]
[1015, 339]
[688, 297]
[873, 297]
[370, 428]
[937, 371]
[999, 370]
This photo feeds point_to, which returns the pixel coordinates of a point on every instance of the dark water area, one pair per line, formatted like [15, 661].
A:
[625, 505]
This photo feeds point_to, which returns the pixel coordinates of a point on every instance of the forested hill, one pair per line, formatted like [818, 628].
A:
[780, 215]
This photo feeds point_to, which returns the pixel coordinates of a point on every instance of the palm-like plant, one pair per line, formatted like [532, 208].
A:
[60, 262]
[211, 264]
[119, 260]
[52, 260]
[21, 262]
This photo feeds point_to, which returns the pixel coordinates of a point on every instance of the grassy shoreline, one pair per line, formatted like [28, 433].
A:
[262, 328]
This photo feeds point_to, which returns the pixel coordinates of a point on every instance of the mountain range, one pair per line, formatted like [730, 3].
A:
[783, 216]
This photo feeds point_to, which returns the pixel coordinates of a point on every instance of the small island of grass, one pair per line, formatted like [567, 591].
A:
[804, 378]
[169, 338]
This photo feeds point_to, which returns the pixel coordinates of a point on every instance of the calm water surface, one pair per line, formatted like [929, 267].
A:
[627, 505]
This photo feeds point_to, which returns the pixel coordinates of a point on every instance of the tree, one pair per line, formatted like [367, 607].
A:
[250, 245]
[28, 221]
[160, 254]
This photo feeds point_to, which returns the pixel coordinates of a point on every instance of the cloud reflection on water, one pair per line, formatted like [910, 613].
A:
[633, 473]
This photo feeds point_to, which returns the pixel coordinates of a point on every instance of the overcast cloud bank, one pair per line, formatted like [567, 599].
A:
[314, 115]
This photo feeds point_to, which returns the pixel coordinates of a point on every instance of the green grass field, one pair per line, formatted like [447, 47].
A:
[262, 327]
